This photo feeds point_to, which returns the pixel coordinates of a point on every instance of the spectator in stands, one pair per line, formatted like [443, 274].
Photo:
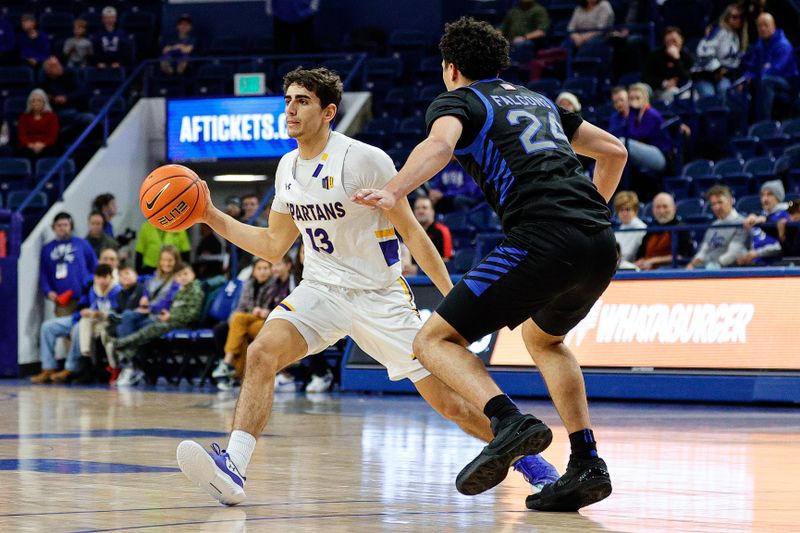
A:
[8, 42]
[110, 257]
[626, 207]
[63, 326]
[786, 11]
[78, 48]
[159, 290]
[452, 189]
[111, 45]
[569, 101]
[667, 68]
[182, 313]
[719, 54]
[151, 242]
[37, 130]
[250, 203]
[95, 307]
[209, 259]
[617, 124]
[525, 23]
[233, 207]
[175, 54]
[266, 288]
[97, 238]
[128, 298]
[66, 265]
[437, 232]
[106, 205]
[34, 45]
[67, 96]
[656, 248]
[648, 146]
[789, 234]
[771, 68]
[721, 247]
[293, 25]
[766, 241]
[589, 17]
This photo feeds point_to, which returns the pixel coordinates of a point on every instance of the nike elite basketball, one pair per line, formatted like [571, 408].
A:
[171, 198]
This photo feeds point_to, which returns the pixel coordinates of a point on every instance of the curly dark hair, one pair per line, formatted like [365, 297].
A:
[477, 49]
[326, 84]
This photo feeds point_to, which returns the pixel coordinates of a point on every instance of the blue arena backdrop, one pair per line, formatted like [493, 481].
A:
[210, 129]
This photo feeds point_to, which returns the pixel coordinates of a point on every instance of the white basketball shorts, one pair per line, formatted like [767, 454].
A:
[382, 322]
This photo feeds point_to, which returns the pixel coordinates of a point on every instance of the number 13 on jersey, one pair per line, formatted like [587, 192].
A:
[319, 240]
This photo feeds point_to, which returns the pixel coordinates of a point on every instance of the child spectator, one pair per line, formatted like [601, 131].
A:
[38, 126]
[34, 45]
[65, 266]
[128, 297]
[184, 311]
[721, 246]
[452, 189]
[159, 290]
[267, 287]
[111, 45]
[766, 241]
[626, 207]
[78, 48]
[98, 238]
[95, 307]
[174, 56]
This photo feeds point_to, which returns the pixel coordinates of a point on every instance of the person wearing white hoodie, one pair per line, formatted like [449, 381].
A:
[721, 246]
[626, 207]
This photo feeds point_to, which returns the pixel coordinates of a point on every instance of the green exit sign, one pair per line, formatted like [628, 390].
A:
[250, 84]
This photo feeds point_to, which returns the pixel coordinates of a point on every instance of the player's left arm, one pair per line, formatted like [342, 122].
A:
[420, 246]
[607, 150]
[426, 160]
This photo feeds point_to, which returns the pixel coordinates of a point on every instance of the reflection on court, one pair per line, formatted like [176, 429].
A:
[97, 460]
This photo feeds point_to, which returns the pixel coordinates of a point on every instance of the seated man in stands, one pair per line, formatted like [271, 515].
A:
[766, 241]
[34, 45]
[618, 122]
[438, 233]
[67, 96]
[770, 66]
[175, 54]
[38, 127]
[184, 311]
[111, 45]
[452, 189]
[262, 293]
[668, 67]
[721, 247]
[524, 24]
[655, 250]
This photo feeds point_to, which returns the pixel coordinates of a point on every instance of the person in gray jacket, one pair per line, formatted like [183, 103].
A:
[722, 246]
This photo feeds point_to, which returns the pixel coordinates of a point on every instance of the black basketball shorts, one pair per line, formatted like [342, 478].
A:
[551, 272]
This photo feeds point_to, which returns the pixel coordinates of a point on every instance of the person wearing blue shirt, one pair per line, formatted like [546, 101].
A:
[66, 265]
[34, 45]
[112, 46]
[453, 190]
[766, 247]
[771, 66]
[618, 122]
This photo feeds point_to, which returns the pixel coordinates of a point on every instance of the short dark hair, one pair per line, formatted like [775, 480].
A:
[103, 270]
[672, 29]
[63, 215]
[102, 200]
[250, 195]
[476, 48]
[125, 266]
[326, 84]
[180, 265]
[96, 213]
[422, 197]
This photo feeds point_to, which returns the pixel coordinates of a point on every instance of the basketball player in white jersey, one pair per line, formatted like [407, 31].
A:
[351, 285]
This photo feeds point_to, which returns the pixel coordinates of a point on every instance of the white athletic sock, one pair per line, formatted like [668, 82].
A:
[240, 448]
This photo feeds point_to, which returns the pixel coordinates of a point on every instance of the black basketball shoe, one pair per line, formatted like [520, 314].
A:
[515, 437]
[585, 482]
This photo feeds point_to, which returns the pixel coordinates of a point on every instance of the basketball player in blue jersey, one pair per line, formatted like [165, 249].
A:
[352, 283]
[557, 258]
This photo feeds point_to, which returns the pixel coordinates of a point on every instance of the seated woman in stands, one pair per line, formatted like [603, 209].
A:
[648, 146]
[38, 127]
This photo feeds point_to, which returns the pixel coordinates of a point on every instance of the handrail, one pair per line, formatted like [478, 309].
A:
[103, 114]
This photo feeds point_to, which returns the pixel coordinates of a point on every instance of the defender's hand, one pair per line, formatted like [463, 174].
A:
[375, 198]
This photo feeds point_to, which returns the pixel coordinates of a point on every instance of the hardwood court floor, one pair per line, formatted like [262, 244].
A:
[104, 460]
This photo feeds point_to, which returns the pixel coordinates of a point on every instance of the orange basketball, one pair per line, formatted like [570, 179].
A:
[171, 198]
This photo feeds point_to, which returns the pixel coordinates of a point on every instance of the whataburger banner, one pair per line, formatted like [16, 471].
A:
[728, 323]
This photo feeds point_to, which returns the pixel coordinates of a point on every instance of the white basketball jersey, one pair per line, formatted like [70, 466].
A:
[346, 244]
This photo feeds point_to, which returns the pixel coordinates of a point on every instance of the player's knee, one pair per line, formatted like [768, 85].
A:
[420, 346]
[261, 359]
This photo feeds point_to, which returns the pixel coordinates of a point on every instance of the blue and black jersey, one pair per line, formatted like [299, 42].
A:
[516, 145]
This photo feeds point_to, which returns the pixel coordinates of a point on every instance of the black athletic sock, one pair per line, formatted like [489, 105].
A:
[583, 444]
[499, 408]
